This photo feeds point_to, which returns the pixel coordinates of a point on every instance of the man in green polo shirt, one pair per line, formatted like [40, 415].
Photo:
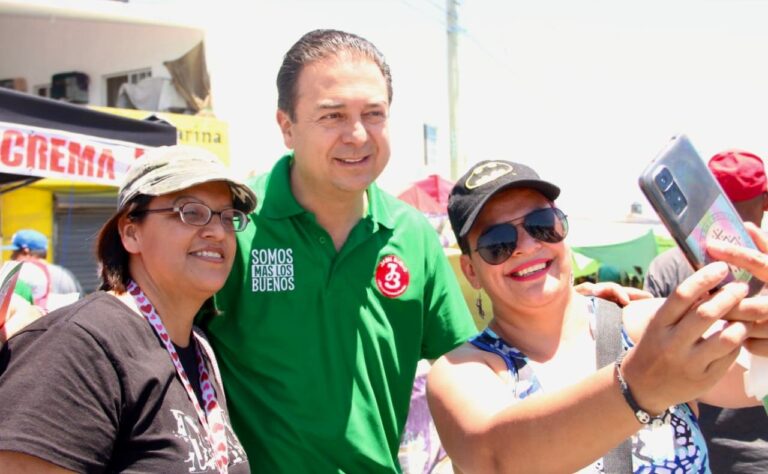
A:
[339, 289]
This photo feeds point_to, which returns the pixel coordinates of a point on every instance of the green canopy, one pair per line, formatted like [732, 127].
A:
[583, 265]
[631, 256]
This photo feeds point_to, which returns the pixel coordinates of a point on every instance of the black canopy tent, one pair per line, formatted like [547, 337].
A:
[25, 109]
[11, 181]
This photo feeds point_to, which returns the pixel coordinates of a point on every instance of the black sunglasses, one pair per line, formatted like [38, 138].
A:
[497, 243]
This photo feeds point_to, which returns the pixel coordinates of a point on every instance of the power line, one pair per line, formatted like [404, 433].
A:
[437, 6]
[429, 8]
[441, 19]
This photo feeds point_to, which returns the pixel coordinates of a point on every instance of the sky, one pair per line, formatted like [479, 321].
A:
[586, 92]
[590, 91]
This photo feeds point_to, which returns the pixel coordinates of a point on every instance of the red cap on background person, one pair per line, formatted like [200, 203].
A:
[740, 173]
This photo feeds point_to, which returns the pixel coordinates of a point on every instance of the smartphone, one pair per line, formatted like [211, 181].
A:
[693, 206]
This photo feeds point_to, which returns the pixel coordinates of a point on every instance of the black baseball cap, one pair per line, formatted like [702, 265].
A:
[481, 183]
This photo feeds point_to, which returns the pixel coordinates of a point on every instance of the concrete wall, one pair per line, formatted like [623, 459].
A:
[35, 48]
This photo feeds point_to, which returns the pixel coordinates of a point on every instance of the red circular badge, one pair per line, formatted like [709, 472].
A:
[392, 277]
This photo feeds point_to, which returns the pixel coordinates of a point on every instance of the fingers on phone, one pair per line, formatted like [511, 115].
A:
[754, 261]
[690, 292]
[758, 236]
[757, 346]
[750, 309]
[698, 320]
[757, 340]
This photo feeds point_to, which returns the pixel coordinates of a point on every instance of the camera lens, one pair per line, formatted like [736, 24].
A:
[664, 179]
[675, 198]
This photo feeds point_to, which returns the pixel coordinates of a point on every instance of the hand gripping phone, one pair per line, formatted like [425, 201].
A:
[693, 207]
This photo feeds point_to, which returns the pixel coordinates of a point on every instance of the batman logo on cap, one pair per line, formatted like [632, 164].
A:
[486, 173]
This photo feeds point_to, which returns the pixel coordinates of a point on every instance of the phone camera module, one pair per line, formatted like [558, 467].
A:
[664, 179]
[675, 198]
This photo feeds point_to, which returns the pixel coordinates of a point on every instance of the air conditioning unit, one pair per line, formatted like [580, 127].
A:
[70, 86]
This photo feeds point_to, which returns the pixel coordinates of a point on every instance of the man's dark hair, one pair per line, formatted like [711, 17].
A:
[317, 45]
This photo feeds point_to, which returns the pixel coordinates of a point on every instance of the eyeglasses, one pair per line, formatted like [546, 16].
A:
[498, 242]
[197, 214]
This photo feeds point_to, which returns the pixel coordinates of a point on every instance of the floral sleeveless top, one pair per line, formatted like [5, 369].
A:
[678, 447]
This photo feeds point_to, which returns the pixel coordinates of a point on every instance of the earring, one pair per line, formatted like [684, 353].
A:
[479, 305]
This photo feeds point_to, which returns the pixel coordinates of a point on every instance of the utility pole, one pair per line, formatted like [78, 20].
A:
[453, 30]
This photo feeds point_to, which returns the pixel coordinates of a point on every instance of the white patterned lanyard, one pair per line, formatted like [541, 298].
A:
[213, 417]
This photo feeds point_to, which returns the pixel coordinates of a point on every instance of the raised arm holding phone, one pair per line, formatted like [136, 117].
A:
[736, 442]
[526, 395]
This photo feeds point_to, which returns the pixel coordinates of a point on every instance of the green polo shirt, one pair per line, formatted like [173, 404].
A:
[318, 348]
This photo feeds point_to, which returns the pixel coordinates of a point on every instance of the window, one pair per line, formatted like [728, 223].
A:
[114, 81]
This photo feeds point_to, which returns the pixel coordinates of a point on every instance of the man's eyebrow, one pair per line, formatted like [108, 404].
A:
[329, 105]
[333, 105]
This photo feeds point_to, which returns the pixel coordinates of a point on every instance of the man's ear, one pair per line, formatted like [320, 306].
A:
[128, 230]
[468, 268]
[286, 127]
[765, 201]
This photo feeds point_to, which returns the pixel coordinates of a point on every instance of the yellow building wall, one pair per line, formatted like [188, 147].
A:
[196, 130]
[26, 208]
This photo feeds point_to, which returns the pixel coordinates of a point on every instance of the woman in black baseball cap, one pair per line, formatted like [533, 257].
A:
[526, 394]
[122, 380]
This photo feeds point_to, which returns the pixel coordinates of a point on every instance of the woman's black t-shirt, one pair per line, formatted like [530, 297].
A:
[91, 388]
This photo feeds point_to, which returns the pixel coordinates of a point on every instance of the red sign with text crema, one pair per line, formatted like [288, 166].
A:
[48, 153]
